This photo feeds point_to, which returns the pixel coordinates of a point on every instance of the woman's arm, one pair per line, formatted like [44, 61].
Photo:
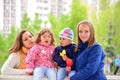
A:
[11, 64]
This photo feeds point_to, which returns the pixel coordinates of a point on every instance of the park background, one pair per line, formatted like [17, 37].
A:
[106, 21]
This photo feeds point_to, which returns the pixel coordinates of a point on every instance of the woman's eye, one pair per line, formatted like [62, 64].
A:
[80, 31]
[25, 39]
[86, 31]
[30, 36]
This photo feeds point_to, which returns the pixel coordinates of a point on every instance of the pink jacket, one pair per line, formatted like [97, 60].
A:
[40, 55]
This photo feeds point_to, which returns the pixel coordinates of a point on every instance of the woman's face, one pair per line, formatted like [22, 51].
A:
[28, 40]
[46, 38]
[84, 32]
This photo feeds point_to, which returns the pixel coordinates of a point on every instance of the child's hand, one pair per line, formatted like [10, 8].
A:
[64, 58]
[63, 53]
[68, 78]
[28, 73]
[56, 66]
[68, 69]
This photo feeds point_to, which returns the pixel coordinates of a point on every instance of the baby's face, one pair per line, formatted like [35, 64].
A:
[65, 41]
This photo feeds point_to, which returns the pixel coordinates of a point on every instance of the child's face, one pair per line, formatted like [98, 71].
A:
[84, 32]
[46, 38]
[64, 41]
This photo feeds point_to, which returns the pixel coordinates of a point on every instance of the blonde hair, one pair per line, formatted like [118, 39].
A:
[92, 39]
[43, 31]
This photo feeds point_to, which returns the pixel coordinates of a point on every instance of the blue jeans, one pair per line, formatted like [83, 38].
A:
[71, 73]
[40, 72]
[61, 73]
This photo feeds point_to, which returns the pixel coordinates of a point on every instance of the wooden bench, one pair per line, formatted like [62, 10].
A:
[25, 77]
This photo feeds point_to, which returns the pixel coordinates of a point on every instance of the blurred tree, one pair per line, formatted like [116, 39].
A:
[101, 20]
[55, 27]
[116, 25]
[25, 22]
[78, 13]
[35, 25]
[11, 37]
[2, 41]
[107, 25]
[6, 44]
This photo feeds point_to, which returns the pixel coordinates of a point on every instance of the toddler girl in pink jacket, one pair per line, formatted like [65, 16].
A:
[39, 60]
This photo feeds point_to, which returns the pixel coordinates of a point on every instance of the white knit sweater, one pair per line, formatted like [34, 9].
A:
[11, 64]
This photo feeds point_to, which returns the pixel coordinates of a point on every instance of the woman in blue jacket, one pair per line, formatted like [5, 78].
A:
[90, 56]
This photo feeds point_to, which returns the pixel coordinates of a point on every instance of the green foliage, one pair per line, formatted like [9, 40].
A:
[116, 24]
[32, 25]
[104, 4]
[2, 41]
[102, 22]
[25, 22]
[3, 57]
[107, 25]
[78, 13]
[6, 44]
[11, 37]
[54, 27]
[118, 51]
[35, 25]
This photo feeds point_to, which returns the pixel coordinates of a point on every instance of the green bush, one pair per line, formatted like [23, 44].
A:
[3, 57]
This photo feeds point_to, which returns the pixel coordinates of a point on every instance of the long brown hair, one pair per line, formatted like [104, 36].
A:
[43, 31]
[18, 44]
[92, 39]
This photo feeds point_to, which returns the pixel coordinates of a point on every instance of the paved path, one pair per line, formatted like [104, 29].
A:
[23, 77]
[113, 77]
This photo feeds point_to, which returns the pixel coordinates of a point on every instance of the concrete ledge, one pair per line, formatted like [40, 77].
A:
[113, 77]
[15, 77]
[25, 77]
